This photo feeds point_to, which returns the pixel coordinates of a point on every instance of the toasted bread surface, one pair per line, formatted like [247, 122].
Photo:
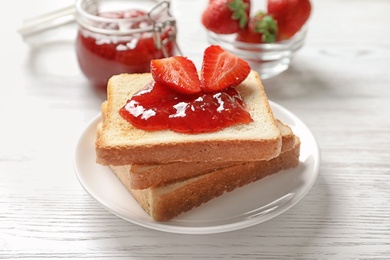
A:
[120, 143]
[167, 202]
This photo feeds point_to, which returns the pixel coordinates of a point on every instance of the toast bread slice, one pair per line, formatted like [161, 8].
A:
[166, 202]
[120, 143]
[146, 176]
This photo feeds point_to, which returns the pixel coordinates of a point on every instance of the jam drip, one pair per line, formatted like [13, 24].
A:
[158, 108]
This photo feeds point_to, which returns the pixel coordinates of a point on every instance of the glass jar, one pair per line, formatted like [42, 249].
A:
[117, 36]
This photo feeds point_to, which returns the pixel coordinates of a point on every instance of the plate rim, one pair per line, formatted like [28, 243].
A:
[160, 226]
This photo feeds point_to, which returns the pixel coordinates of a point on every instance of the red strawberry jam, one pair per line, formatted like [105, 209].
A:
[158, 107]
[102, 54]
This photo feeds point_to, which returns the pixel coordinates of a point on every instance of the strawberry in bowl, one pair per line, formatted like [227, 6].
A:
[266, 37]
[226, 16]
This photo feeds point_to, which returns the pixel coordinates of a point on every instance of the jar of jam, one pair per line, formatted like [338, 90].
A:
[117, 36]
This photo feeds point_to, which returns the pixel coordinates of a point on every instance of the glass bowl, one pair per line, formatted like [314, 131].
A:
[268, 59]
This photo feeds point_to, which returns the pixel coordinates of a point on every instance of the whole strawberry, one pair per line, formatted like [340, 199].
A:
[226, 16]
[261, 28]
[290, 15]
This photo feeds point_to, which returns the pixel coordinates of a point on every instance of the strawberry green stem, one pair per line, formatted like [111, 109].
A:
[239, 9]
[268, 27]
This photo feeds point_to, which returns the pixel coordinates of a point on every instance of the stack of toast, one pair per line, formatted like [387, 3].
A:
[170, 173]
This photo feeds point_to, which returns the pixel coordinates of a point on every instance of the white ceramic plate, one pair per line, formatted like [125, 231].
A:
[264, 199]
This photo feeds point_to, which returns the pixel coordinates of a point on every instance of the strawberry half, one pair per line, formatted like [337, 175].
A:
[177, 73]
[222, 69]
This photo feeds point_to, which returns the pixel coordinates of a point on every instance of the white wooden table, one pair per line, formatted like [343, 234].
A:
[339, 85]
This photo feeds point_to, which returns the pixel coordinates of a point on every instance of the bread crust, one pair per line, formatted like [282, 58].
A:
[215, 184]
[167, 202]
[238, 150]
[146, 176]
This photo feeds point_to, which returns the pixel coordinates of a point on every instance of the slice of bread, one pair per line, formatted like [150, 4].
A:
[120, 143]
[146, 176]
[166, 202]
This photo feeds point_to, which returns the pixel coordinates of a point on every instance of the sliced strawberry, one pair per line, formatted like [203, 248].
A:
[222, 69]
[226, 16]
[261, 28]
[178, 73]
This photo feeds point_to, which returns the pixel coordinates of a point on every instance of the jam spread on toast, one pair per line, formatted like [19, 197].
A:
[183, 100]
[158, 107]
